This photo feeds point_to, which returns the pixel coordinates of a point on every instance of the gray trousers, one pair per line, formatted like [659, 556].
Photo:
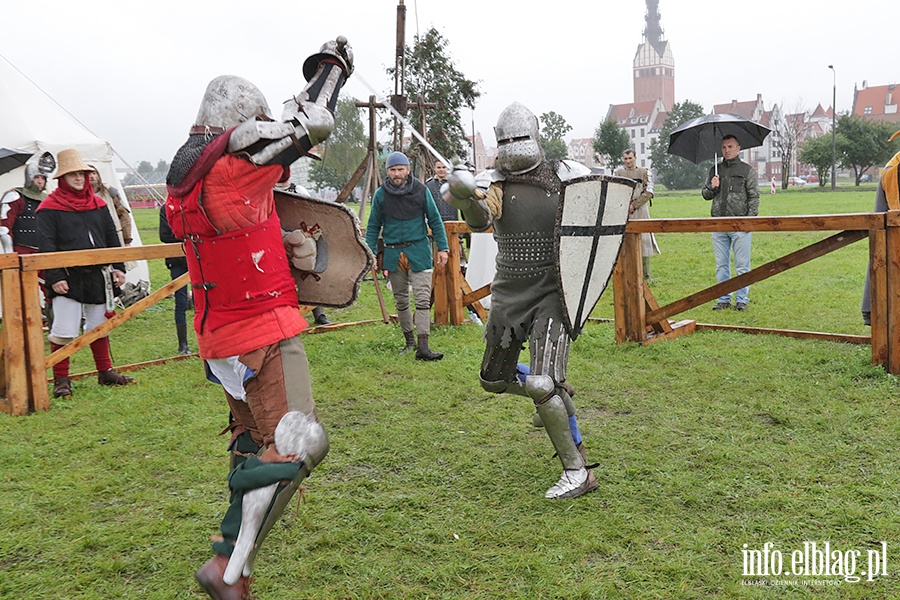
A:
[420, 282]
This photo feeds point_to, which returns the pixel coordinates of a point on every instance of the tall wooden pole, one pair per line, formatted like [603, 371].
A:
[399, 73]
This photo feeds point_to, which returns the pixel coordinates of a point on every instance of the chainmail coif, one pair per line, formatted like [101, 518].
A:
[186, 156]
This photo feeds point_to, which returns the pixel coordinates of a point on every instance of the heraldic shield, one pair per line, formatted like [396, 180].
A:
[342, 257]
[590, 222]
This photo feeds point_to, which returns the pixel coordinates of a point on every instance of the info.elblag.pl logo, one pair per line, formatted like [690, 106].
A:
[814, 559]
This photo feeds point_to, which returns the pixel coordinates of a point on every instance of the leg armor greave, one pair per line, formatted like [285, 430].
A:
[296, 435]
[552, 410]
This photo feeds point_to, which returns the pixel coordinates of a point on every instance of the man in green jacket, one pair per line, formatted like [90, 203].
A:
[402, 211]
[732, 186]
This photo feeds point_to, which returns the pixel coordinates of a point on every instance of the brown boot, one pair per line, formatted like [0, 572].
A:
[112, 377]
[423, 352]
[62, 387]
[210, 577]
[591, 483]
[410, 338]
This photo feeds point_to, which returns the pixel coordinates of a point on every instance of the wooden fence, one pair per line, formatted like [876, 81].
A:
[23, 382]
[638, 317]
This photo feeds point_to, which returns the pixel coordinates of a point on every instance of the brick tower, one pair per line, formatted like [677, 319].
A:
[654, 67]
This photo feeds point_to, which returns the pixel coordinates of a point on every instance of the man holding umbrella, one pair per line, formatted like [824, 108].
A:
[732, 186]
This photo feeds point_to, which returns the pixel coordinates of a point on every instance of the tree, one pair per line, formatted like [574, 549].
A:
[432, 77]
[144, 168]
[788, 131]
[817, 152]
[862, 144]
[610, 141]
[553, 128]
[673, 171]
[162, 166]
[344, 149]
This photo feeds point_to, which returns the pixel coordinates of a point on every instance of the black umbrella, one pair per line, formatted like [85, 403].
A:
[701, 138]
[12, 159]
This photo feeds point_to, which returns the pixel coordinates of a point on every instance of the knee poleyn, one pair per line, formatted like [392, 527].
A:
[299, 435]
[539, 387]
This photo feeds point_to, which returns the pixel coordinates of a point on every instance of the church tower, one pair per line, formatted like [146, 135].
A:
[654, 67]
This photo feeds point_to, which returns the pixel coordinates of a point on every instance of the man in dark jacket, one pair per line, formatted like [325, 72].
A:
[74, 218]
[732, 186]
[402, 211]
[448, 212]
[18, 220]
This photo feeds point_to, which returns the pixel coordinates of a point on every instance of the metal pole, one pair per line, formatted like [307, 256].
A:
[833, 126]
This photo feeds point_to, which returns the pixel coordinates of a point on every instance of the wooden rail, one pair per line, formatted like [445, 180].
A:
[639, 318]
[23, 364]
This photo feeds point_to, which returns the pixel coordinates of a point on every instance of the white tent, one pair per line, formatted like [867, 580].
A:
[33, 122]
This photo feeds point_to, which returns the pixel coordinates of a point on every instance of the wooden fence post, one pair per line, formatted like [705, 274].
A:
[34, 341]
[628, 291]
[15, 373]
[878, 295]
[892, 278]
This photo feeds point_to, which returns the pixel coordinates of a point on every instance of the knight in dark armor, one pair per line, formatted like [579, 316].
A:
[519, 198]
[18, 222]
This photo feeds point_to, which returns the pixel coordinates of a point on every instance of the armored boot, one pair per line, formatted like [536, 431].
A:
[576, 479]
[181, 330]
[410, 342]
[423, 352]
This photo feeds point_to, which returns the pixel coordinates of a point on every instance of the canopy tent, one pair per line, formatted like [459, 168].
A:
[33, 122]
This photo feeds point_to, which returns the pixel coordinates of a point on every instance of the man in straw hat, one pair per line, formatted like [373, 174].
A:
[74, 218]
[247, 316]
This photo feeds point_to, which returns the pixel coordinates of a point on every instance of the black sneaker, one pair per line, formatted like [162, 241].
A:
[740, 306]
[722, 306]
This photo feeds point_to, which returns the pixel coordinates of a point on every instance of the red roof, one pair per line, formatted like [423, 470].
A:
[820, 112]
[623, 112]
[742, 109]
[873, 101]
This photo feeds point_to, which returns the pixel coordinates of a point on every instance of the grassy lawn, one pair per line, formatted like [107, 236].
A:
[434, 488]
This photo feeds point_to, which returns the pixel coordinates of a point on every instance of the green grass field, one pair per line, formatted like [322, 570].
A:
[710, 445]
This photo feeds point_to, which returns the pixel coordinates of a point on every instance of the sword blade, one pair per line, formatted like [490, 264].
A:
[403, 119]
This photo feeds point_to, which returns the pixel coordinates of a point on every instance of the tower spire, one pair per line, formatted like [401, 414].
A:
[653, 31]
[654, 66]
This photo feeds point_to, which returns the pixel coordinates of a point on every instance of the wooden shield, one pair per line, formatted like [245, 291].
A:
[590, 222]
[342, 257]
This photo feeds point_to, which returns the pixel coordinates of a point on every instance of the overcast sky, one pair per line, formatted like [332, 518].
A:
[134, 73]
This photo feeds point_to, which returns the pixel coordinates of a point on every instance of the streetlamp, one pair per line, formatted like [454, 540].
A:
[833, 127]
